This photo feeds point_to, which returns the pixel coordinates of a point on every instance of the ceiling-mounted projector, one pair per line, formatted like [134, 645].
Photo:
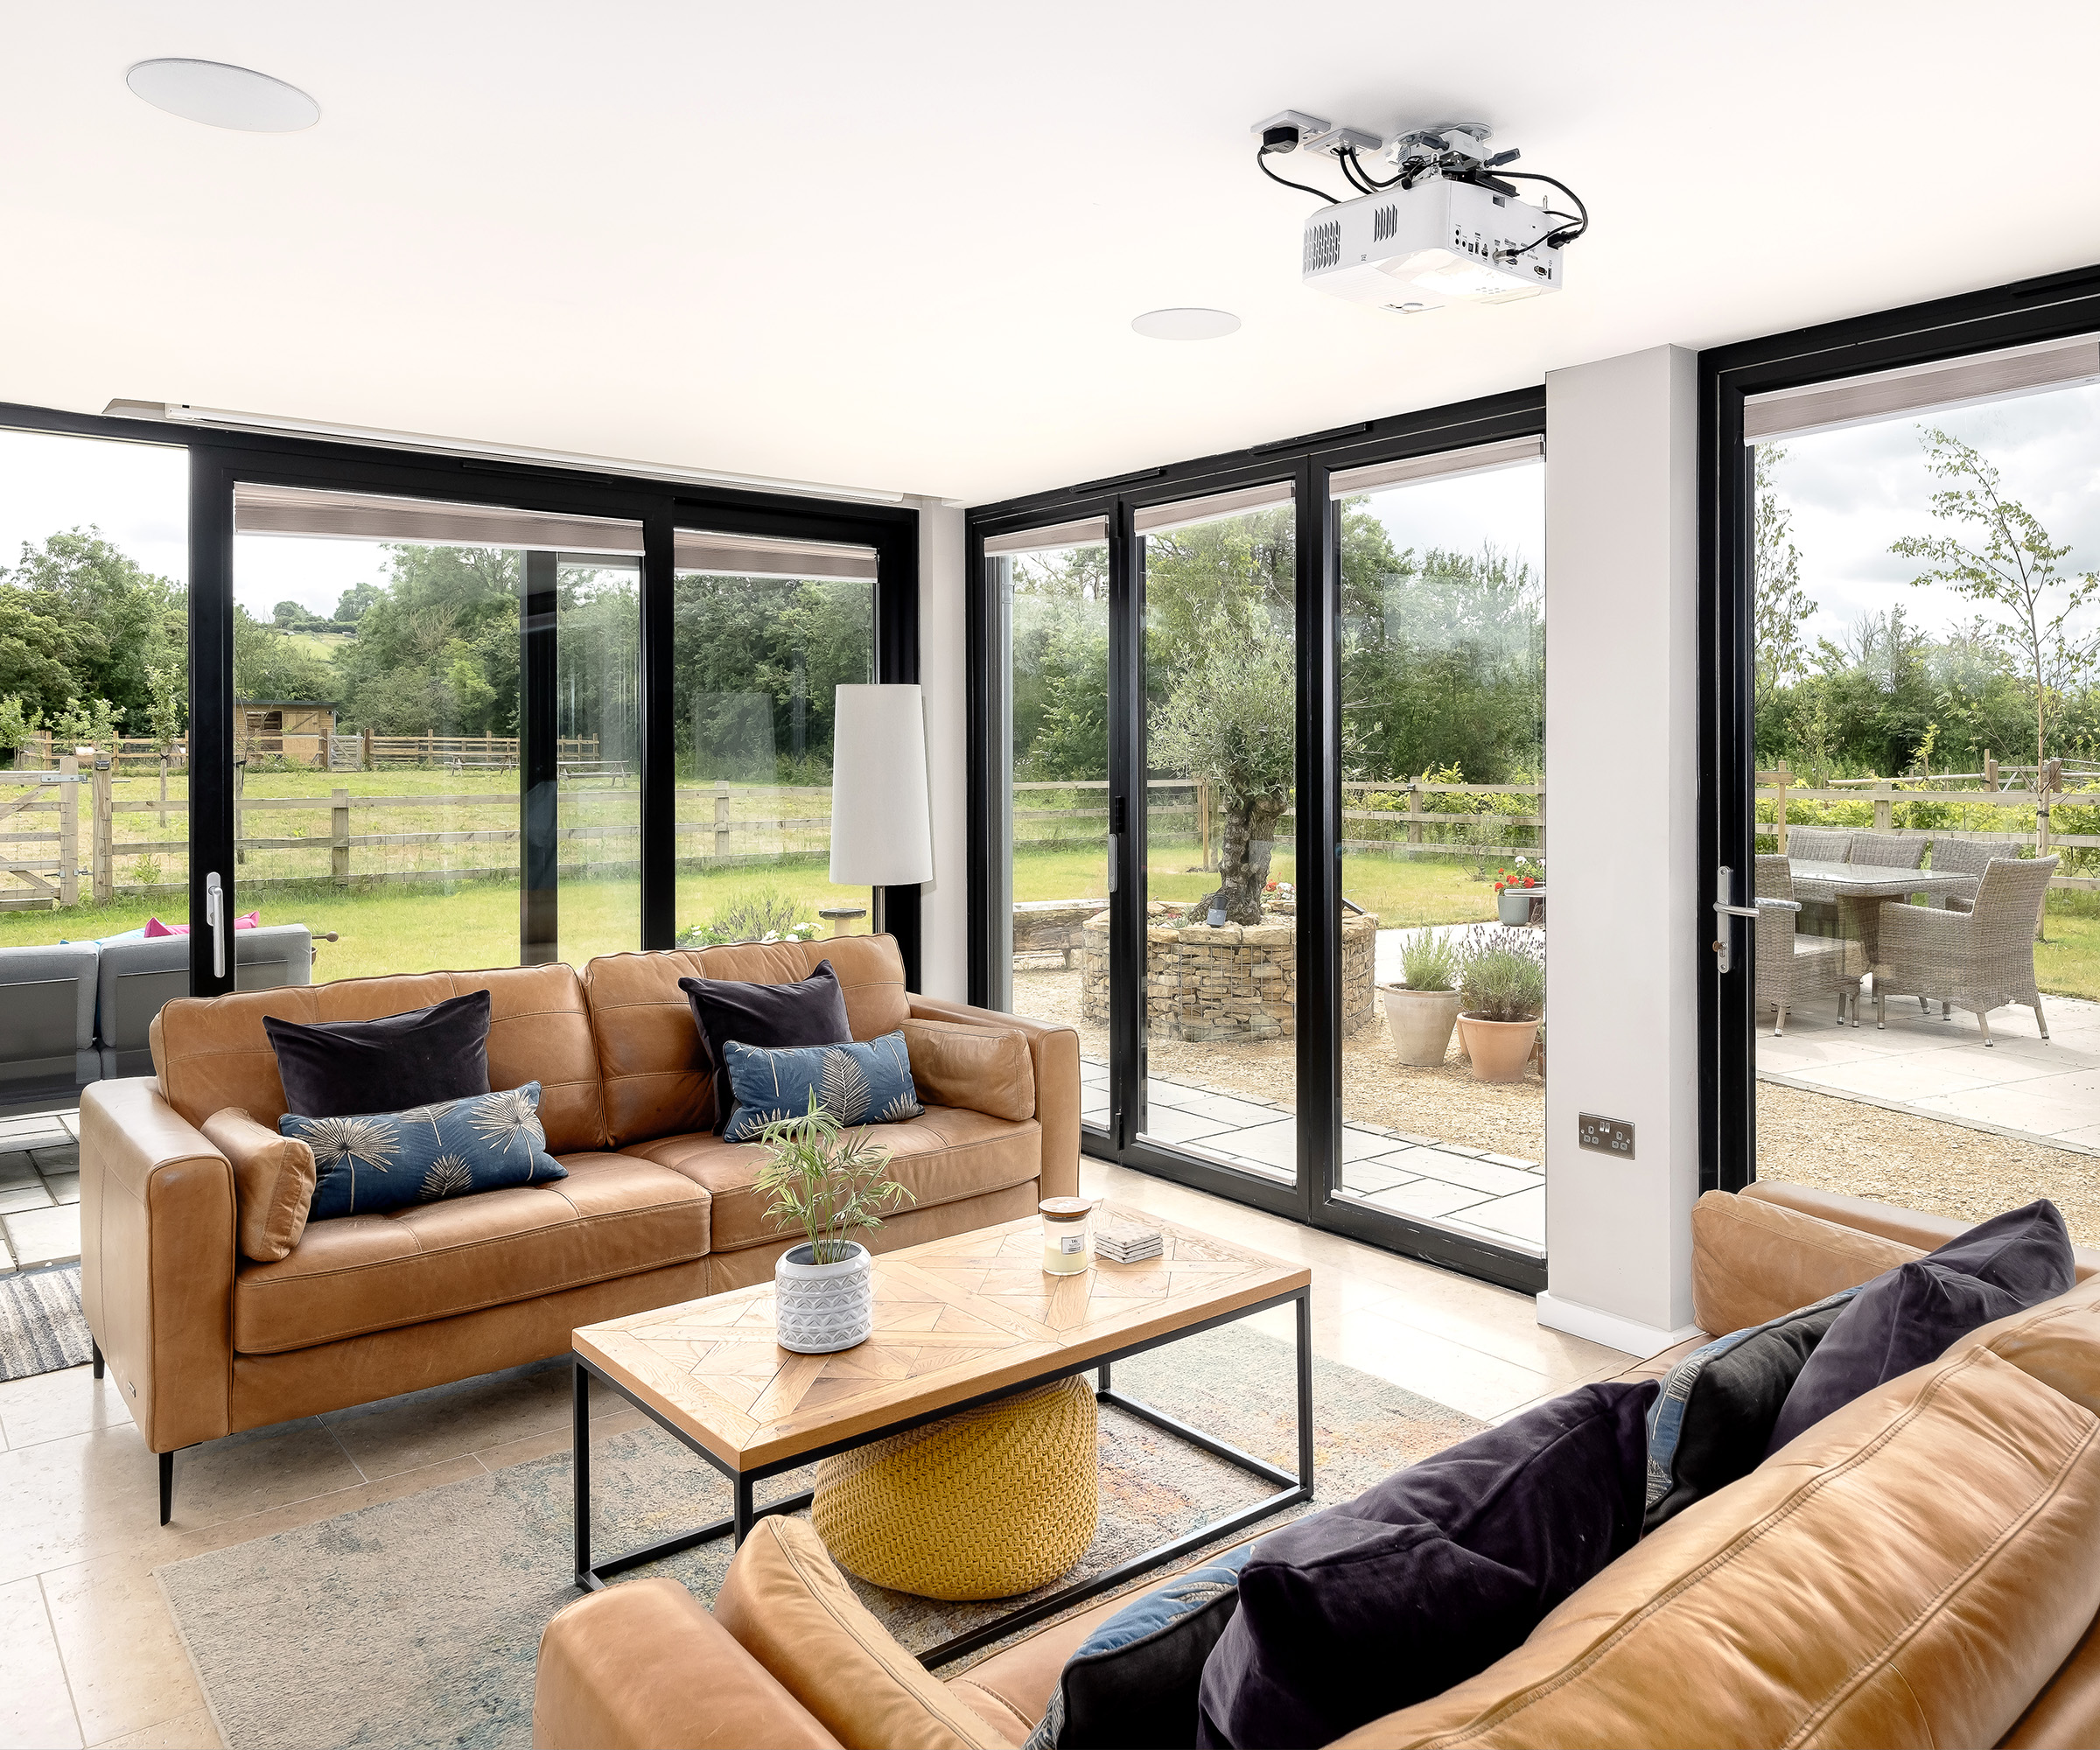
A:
[1445, 228]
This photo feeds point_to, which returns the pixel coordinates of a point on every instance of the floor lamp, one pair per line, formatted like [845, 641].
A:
[882, 832]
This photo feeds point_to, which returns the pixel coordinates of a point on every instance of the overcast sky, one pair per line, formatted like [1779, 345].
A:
[1458, 513]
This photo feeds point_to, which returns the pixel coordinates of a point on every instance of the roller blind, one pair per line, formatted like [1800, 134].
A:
[1083, 533]
[357, 517]
[1159, 518]
[1479, 459]
[1920, 389]
[756, 556]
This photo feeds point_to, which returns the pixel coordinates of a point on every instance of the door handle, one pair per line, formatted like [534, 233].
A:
[214, 920]
[1726, 907]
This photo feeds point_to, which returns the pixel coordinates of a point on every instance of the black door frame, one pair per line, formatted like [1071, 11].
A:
[2056, 307]
[1308, 463]
[218, 458]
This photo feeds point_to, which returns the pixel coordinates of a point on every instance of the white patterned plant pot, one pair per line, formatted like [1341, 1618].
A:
[820, 1308]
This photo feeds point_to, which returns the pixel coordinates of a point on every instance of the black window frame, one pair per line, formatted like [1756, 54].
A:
[2056, 306]
[1308, 462]
[219, 456]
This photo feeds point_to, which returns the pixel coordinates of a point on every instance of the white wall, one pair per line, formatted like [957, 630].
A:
[1622, 799]
[943, 672]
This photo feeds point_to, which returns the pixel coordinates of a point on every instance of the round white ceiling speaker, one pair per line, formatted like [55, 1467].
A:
[1186, 325]
[223, 96]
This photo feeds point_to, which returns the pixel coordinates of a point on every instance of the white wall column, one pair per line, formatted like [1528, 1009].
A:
[943, 672]
[1622, 781]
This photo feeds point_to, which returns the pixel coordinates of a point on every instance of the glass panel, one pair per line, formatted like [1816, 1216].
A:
[95, 656]
[1221, 680]
[1056, 635]
[375, 745]
[598, 721]
[757, 660]
[1927, 728]
[1443, 806]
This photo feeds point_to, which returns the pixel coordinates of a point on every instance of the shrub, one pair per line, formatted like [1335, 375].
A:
[764, 914]
[1428, 960]
[1503, 976]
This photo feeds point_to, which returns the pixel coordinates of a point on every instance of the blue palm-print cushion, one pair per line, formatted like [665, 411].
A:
[389, 1160]
[858, 1084]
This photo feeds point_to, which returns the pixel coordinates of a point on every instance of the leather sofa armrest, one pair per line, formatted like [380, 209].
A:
[1055, 1053]
[1913, 1227]
[157, 1261]
[643, 1665]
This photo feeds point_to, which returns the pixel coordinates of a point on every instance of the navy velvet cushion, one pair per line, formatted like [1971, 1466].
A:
[1915, 1313]
[858, 1084]
[367, 1163]
[1719, 1404]
[810, 1011]
[337, 1068]
[1429, 1578]
[1133, 1680]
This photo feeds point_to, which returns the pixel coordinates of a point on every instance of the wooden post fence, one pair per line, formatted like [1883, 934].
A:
[102, 846]
[721, 817]
[339, 838]
[69, 830]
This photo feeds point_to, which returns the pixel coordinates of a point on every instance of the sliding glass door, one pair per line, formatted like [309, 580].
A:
[1251, 745]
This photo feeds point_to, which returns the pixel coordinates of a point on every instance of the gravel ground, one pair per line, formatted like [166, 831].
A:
[1376, 1088]
[1920, 1162]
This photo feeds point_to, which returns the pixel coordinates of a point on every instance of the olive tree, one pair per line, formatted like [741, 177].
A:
[1230, 717]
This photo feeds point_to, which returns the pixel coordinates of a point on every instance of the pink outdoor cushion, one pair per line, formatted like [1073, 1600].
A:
[246, 921]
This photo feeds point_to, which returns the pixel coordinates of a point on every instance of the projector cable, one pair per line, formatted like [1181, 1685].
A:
[1261, 159]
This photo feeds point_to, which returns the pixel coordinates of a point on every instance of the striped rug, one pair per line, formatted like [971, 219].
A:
[41, 1326]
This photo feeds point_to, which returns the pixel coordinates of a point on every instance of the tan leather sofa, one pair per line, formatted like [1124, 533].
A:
[205, 1342]
[1922, 1568]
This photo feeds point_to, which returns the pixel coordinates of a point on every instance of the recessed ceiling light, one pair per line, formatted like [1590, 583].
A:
[223, 96]
[1186, 325]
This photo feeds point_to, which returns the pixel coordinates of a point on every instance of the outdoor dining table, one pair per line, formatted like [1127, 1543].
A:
[1857, 890]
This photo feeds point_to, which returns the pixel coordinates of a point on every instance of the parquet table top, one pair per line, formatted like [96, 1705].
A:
[954, 1318]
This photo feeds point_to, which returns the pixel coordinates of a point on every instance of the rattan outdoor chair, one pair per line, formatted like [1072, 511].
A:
[1791, 966]
[1965, 857]
[1980, 960]
[1820, 843]
[1889, 850]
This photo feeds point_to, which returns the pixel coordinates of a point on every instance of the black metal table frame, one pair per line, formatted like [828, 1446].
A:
[591, 1576]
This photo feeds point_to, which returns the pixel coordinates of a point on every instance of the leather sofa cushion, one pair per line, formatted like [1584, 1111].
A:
[948, 1153]
[654, 1073]
[1911, 1571]
[613, 1216]
[987, 1069]
[793, 1612]
[273, 1183]
[1751, 1260]
[212, 1052]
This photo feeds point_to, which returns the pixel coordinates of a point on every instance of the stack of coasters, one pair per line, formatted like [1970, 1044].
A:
[1127, 1242]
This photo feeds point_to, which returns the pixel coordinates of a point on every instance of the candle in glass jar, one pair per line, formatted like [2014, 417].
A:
[1067, 1247]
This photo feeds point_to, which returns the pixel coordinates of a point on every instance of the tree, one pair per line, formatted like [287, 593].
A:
[268, 665]
[356, 599]
[2011, 571]
[114, 618]
[1779, 607]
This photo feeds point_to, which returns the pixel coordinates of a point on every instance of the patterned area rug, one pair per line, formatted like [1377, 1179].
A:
[42, 1329]
[416, 1622]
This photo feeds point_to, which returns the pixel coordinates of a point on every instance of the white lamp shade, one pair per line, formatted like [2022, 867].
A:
[882, 828]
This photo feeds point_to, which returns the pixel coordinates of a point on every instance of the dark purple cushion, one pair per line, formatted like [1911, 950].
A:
[1898, 1321]
[427, 1057]
[810, 1011]
[1431, 1577]
[2026, 1252]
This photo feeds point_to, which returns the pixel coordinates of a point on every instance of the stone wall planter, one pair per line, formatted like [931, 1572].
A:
[1500, 1050]
[1234, 982]
[821, 1308]
[1420, 1023]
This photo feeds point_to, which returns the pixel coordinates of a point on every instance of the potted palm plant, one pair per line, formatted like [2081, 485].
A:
[1502, 998]
[1420, 1012]
[824, 1289]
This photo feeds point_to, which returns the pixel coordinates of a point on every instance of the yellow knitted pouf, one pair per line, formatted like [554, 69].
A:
[987, 1504]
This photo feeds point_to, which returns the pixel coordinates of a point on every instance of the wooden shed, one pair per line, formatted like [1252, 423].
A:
[296, 730]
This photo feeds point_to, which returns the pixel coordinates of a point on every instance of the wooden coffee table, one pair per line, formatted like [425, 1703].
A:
[959, 1322]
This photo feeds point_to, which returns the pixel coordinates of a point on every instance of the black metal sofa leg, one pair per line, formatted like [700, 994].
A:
[167, 1487]
[97, 1348]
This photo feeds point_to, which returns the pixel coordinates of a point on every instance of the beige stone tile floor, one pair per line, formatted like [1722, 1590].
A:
[89, 1652]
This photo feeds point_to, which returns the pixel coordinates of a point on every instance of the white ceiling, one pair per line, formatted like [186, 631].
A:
[901, 245]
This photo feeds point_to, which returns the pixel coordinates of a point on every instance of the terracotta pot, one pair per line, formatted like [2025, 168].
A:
[1420, 1023]
[1500, 1050]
